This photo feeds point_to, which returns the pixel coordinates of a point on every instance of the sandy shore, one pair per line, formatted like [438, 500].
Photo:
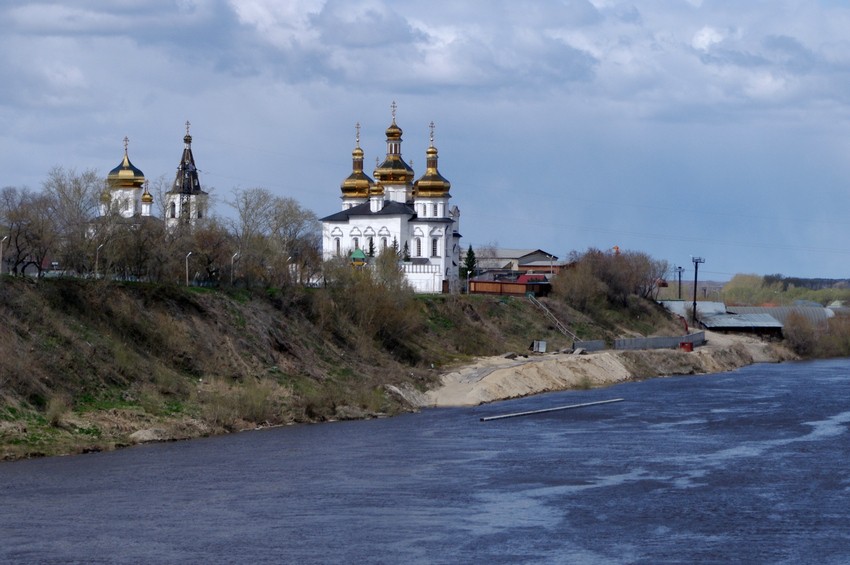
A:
[499, 378]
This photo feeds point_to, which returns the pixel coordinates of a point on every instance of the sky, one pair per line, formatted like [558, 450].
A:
[679, 128]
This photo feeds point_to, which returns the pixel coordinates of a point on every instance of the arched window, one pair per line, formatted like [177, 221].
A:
[434, 248]
[172, 210]
[434, 209]
[418, 247]
[383, 243]
[356, 242]
[337, 246]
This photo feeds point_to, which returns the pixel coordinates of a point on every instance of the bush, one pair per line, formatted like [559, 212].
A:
[800, 334]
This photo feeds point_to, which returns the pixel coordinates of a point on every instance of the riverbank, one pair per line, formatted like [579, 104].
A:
[490, 379]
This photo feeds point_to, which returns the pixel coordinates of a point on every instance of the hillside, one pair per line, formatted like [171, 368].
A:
[90, 365]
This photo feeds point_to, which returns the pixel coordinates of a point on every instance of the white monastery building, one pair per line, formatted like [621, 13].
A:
[392, 210]
[126, 190]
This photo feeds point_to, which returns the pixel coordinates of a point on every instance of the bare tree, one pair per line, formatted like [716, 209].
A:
[74, 200]
[32, 232]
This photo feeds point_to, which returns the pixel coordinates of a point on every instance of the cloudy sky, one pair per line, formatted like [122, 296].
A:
[715, 128]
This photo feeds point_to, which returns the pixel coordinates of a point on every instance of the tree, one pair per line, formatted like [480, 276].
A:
[252, 227]
[296, 238]
[278, 239]
[74, 201]
[32, 232]
[469, 264]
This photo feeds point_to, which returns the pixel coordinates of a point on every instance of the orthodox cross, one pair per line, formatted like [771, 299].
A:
[357, 137]
[187, 127]
[126, 143]
[393, 107]
[431, 126]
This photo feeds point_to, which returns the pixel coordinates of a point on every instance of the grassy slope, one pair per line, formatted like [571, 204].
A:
[84, 364]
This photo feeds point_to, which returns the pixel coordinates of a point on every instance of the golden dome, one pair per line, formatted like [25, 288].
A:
[146, 197]
[357, 184]
[125, 175]
[394, 132]
[432, 182]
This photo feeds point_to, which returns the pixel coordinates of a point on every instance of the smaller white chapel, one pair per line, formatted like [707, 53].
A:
[394, 211]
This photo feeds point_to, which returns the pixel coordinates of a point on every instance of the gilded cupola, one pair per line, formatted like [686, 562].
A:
[432, 183]
[394, 170]
[125, 175]
[358, 184]
[147, 197]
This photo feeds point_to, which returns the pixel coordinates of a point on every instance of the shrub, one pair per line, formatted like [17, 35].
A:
[57, 407]
[800, 334]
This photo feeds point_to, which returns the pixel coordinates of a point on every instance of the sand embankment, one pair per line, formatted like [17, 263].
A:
[499, 378]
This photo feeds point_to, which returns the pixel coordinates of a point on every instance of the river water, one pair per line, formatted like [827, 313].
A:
[742, 467]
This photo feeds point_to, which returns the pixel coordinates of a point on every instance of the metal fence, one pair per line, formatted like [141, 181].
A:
[591, 345]
[697, 338]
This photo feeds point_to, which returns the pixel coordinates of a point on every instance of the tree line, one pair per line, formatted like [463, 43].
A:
[269, 240]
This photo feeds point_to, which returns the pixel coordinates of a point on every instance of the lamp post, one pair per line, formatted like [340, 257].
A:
[679, 271]
[5, 237]
[697, 261]
[232, 258]
[187, 268]
[97, 259]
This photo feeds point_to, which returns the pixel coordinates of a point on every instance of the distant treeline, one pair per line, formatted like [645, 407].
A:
[811, 284]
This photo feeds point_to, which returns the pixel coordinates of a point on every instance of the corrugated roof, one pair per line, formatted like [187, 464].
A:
[814, 315]
[740, 321]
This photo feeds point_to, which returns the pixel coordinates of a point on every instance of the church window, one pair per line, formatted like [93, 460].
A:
[337, 246]
[356, 242]
[434, 210]
[383, 243]
[172, 210]
[418, 247]
[434, 249]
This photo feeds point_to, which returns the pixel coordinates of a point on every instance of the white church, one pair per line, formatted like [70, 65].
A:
[394, 211]
[127, 192]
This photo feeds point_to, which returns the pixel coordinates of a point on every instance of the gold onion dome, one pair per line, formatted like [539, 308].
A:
[394, 132]
[125, 175]
[394, 170]
[432, 182]
[358, 184]
[147, 198]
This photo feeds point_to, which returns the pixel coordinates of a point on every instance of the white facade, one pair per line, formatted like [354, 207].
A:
[392, 211]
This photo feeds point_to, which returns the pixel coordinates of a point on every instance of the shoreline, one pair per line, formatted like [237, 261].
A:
[490, 379]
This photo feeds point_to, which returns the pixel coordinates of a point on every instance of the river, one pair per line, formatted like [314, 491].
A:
[742, 467]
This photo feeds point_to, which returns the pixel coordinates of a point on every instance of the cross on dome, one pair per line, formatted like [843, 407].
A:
[393, 107]
[357, 136]
[188, 123]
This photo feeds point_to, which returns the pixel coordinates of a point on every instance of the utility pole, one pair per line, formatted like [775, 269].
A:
[679, 270]
[697, 261]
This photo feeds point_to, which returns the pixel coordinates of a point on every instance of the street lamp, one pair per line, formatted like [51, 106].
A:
[187, 268]
[697, 261]
[232, 258]
[679, 271]
[5, 237]
[97, 258]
